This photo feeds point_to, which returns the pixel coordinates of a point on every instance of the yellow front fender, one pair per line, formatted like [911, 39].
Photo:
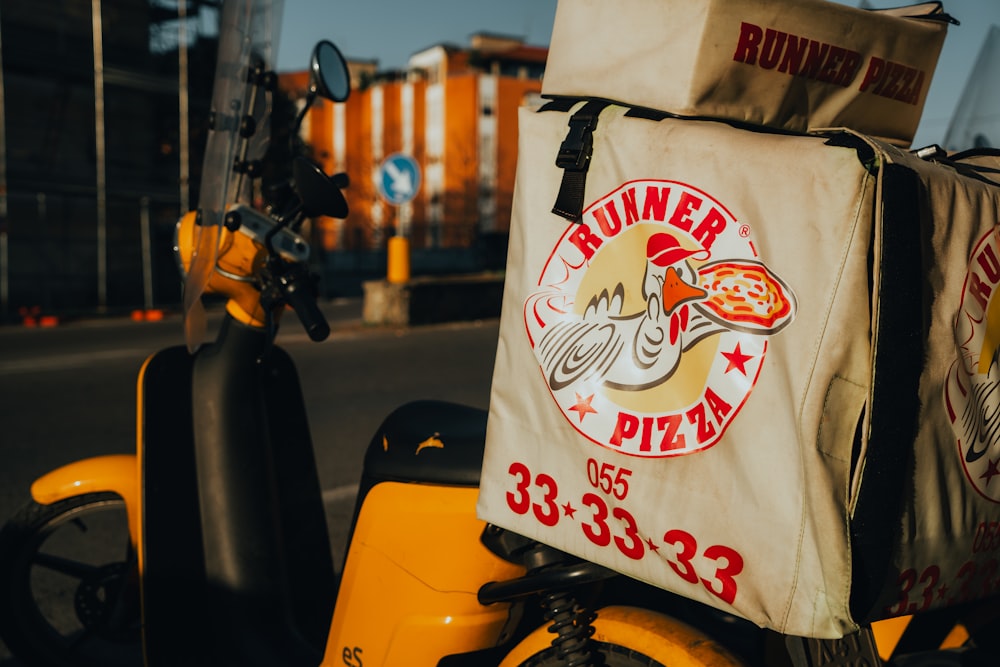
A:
[654, 635]
[117, 473]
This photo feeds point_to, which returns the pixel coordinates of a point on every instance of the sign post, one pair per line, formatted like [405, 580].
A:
[398, 181]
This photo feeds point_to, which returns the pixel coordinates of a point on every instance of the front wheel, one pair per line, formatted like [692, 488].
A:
[610, 655]
[69, 590]
[631, 637]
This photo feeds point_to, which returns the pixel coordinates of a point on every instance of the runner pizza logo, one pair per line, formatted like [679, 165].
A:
[651, 319]
[972, 389]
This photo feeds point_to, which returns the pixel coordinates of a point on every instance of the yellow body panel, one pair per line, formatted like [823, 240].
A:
[957, 638]
[117, 473]
[655, 635]
[137, 528]
[888, 632]
[415, 565]
[238, 256]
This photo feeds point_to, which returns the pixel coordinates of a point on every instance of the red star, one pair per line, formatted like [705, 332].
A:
[653, 546]
[583, 406]
[991, 471]
[737, 359]
[569, 510]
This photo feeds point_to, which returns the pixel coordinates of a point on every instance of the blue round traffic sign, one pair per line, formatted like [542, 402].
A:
[398, 178]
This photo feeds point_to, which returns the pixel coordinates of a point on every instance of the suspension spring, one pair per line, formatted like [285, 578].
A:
[573, 628]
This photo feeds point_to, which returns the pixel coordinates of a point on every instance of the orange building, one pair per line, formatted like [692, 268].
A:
[453, 112]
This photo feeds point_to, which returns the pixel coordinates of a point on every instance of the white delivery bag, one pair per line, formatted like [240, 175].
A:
[715, 381]
[792, 64]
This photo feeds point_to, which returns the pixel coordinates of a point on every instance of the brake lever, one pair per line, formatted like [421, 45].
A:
[293, 284]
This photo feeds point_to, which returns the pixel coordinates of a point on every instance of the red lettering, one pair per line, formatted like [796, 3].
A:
[612, 226]
[893, 80]
[697, 416]
[796, 55]
[849, 69]
[831, 65]
[980, 290]
[814, 59]
[585, 240]
[718, 406]
[906, 77]
[873, 75]
[890, 83]
[631, 208]
[774, 42]
[746, 48]
[918, 87]
[670, 424]
[793, 55]
[630, 426]
[646, 443]
[655, 206]
[906, 85]
[667, 430]
[682, 214]
[626, 428]
[987, 259]
[710, 228]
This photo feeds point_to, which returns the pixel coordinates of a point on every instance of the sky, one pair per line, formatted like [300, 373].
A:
[390, 31]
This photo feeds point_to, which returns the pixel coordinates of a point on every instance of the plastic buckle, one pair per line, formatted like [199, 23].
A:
[575, 151]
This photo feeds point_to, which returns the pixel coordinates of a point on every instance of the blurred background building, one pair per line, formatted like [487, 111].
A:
[103, 114]
[103, 117]
[103, 107]
[443, 133]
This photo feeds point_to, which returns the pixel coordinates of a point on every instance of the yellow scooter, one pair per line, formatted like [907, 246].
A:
[226, 558]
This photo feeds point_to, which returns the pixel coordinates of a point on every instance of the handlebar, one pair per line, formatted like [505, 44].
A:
[291, 283]
[312, 319]
[257, 258]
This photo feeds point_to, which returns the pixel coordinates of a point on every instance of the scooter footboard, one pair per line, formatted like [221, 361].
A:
[409, 590]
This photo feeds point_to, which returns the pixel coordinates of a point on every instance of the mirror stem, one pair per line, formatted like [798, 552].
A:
[310, 98]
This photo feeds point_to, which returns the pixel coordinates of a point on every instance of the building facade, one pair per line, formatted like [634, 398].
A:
[453, 114]
[96, 159]
[103, 117]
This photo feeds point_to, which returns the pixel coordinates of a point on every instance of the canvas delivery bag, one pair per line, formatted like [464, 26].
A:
[757, 369]
[792, 64]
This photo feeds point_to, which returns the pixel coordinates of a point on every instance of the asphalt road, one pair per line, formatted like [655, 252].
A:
[69, 392]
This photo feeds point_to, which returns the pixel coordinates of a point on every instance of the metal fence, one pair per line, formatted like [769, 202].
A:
[50, 259]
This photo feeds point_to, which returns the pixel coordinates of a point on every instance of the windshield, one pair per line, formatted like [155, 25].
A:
[248, 33]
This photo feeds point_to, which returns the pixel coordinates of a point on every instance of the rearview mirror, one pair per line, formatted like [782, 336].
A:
[330, 78]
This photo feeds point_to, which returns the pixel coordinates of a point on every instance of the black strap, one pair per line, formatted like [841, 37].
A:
[562, 104]
[895, 404]
[574, 159]
[970, 163]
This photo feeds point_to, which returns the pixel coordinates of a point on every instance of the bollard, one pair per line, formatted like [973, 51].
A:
[398, 270]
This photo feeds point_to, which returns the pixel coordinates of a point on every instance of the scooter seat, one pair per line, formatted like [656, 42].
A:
[435, 442]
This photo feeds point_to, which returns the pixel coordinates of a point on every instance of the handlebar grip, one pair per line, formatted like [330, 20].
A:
[301, 297]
